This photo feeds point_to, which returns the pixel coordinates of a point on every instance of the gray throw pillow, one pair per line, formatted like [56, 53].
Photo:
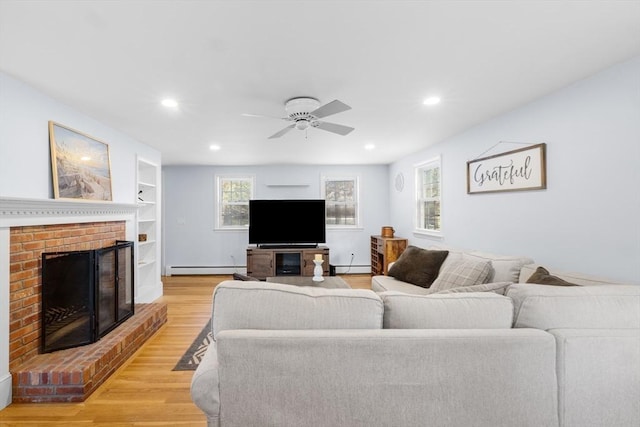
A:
[418, 266]
[462, 273]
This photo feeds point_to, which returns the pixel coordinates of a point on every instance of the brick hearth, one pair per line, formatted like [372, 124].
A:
[72, 375]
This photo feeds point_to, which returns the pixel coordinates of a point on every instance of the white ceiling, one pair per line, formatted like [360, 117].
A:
[115, 61]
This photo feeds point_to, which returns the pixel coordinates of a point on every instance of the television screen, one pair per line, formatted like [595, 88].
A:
[287, 222]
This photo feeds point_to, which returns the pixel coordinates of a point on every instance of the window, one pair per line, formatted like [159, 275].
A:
[341, 198]
[428, 204]
[233, 195]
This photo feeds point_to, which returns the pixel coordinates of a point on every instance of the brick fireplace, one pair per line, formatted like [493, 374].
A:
[27, 229]
[27, 245]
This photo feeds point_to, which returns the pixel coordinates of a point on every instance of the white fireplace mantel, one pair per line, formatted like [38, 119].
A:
[17, 212]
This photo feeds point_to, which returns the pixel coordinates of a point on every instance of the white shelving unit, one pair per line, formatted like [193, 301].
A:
[148, 282]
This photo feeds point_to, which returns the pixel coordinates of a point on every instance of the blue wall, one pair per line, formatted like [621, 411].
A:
[189, 211]
[587, 218]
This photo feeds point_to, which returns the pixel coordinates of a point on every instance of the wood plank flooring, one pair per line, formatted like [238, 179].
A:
[145, 391]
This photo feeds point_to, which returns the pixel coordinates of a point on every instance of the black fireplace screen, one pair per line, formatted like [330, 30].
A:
[85, 294]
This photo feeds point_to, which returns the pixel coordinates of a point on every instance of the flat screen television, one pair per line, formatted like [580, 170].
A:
[287, 222]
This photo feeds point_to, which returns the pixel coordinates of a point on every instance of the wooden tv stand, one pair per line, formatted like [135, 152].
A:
[285, 261]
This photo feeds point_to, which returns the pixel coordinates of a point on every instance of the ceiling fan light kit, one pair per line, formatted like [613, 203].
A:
[305, 111]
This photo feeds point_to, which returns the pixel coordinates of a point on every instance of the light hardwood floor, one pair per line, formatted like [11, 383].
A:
[146, 391]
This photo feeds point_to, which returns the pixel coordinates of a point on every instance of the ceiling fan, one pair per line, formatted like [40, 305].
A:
[304, 112]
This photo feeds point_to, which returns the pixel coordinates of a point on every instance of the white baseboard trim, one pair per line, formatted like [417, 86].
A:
[5, 391]
[171, 270]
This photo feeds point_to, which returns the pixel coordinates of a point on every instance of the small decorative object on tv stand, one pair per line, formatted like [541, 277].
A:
[317, 270]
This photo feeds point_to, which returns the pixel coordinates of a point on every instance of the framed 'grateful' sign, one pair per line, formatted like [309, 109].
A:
[517, 170]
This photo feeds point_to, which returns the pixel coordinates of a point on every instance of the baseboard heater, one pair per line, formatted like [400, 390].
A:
[187, 270]
[353, 269]
[183, 270]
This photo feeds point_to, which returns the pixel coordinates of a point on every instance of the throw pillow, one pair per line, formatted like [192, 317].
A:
[462, 273]
[418, 266]
[542, 277]
[244, 278]
[496, 287]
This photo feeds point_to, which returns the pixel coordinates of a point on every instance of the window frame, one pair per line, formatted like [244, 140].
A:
[433, 163]
[219, 205]
[323, 194]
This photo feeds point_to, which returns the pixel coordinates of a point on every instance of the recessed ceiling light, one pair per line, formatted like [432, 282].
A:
[432, 100]
[369, 146]
[170, 103]
[214, 147]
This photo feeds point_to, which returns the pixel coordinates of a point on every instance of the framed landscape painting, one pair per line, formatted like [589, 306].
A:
[80, 164]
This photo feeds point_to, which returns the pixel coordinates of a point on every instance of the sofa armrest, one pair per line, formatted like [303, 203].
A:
[205, 390]
[598, 376]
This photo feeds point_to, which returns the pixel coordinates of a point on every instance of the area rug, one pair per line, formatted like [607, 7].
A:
[194, 354]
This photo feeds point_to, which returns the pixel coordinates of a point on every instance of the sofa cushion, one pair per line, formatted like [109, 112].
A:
[496, 287]
[587, 307]
[577, 278]
[388, 283]
[418, 266]
[262, 305]
[482, 310]
[462, 273]
[542, 277]
[506, 268]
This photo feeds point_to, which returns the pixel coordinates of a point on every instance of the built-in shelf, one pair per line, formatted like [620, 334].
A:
[148, 251]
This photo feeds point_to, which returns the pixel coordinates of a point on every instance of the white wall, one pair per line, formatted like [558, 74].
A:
[25, 173]
[587, 219]
[25, 164]
[189, 212]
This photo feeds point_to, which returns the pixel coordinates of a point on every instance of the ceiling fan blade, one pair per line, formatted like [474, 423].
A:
[332, 127]
[333, 107]
[282, 132]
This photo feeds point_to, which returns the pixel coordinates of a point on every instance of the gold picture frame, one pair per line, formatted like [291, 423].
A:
[80, 165]
[517, 170]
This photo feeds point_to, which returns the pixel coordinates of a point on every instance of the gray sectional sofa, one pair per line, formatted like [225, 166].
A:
[522, 355]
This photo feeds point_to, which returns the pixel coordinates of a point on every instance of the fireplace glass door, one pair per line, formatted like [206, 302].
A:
[67, 300]
[85, 294]
[115, 290]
